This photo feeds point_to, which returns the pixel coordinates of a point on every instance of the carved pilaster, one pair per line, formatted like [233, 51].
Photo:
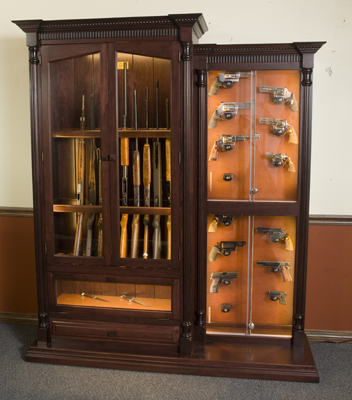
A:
[43, 320]
[186, 56]
[307, 76]
[298, 322]
[200, 318]
[202, 81]
[33, 55]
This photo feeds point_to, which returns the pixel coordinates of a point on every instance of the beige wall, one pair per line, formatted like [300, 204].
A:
[252, 21]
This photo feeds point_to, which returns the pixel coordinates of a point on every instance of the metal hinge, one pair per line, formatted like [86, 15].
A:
[179, 56]
[179, 157]
[45, 248]
[40, 59]
[42, 156]
[179, 254]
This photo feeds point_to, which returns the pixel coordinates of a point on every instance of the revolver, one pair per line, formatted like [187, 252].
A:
[227, 80]
[227, 143]
[276, 295]
[226, 111]
[224, 220]
[224, 248]
[281, 96]
[221, 277]
[277, 235]
[278, 266]
[280, 127]
[281, 159]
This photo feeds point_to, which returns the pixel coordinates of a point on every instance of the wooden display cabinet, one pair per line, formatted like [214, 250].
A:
[152, 213]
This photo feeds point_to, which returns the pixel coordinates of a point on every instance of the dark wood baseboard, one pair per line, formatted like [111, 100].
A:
[215, 358]
[16, 212]
[15, 318]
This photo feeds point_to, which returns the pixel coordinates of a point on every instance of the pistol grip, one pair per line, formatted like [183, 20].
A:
[214, 287]
[288, 243]
[213, 120]
[213, 254]
[292, 136]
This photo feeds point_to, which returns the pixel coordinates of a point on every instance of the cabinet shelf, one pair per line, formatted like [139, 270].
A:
[77, 133]
[76, 208]
[145, 133]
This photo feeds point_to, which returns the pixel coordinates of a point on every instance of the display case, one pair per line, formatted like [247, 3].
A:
[171, 185]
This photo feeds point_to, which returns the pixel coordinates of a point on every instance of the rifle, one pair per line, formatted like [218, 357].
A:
[278, 266]
[168, 193]
[80, 185]
[281, 159]
[277, 235]
[100, 219]
[146, 178]
[227, 80]
[227, 143]
[136, 185]
[281, 95]
[226, 111]
[157, 198]
[280, 127]
[92, 178]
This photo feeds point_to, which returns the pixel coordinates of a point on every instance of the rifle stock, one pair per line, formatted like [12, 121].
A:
[146, 183]
[100, 200]
[123, 236]
[168, 194]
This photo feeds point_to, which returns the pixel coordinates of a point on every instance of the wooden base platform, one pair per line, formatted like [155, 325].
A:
[216, 358]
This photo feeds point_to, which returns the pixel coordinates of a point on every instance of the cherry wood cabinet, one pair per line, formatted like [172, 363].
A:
[171, 189]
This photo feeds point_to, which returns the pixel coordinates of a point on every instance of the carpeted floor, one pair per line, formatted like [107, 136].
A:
[20, 380]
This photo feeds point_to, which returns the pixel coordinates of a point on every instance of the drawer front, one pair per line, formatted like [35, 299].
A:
[119, 332]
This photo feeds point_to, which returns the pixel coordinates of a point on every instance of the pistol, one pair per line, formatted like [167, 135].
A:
[224, 220]
[227, 143]
[224, 248]
[221, 277]
[278, 266]
[227, 80]
[277, 235]
[276, 295]
[280, 127]
[281, 159]
[226, 111]
[281, 95]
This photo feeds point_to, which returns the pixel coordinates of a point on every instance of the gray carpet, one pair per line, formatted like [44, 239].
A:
[26, 381]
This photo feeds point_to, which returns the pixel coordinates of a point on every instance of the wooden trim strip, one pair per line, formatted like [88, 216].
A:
[328, 336]
[16, 212]
[330, 219]
[15, 318]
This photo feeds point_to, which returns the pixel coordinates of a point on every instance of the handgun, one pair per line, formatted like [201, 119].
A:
[221, 277]
[226, 111]
[280, 127]
[281, 95]
[281, 159]
[277, 295]
[226, 80]
[224, 220]
[224, 248]
[227, 143]
[277, 235]
[278, 266]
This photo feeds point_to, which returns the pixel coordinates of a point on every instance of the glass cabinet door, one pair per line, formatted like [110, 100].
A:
[253, 133]
[78, 133]
[145, 155]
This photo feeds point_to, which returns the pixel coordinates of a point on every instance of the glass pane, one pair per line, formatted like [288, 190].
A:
[273, 275]
[227, 275]
[253, 135]
[76, 150]
[78, 234]
[125, 296]
[145, 155]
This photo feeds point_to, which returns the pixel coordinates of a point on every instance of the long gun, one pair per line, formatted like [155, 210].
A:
[157, 198]
[275, 295]
[224, 248]
[277, 235]
[224, 278]
[226, 111]
[227, 143]
[280, 127]
[278, 266]
[281, 159]
[226, 80]
[100, 200]
[168, 194]
[124, 144]
[136, 187]
[224, 220]
[147, 177]
[92, 197]
[281, 95]
[80, 184]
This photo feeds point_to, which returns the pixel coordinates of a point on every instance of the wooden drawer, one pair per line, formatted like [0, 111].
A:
[116, 332]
